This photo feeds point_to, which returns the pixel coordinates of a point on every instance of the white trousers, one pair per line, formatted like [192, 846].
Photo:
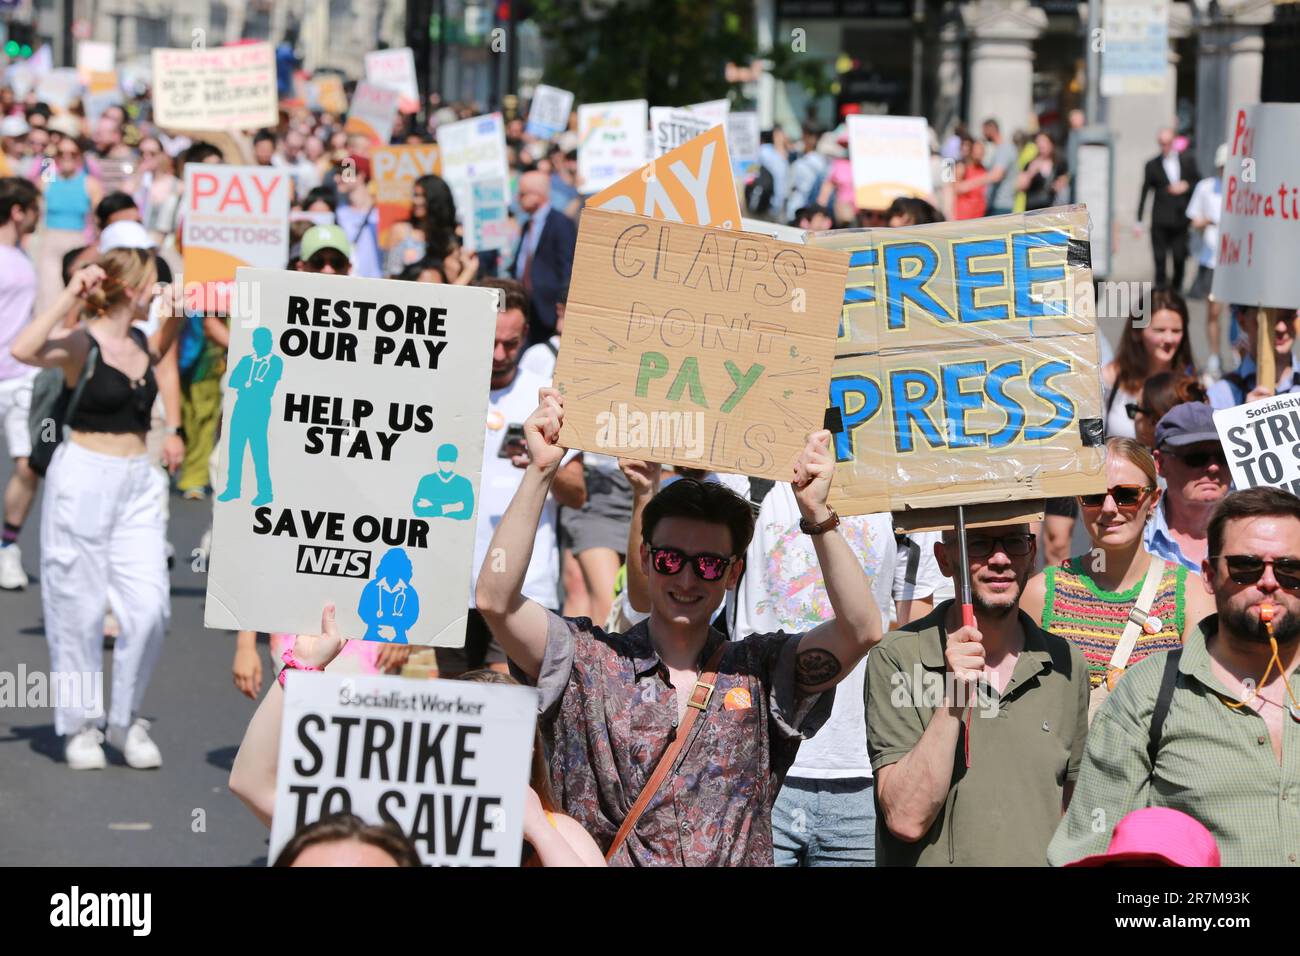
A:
[103, 536]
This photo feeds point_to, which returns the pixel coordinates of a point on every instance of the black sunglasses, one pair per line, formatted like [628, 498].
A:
[708, 567]
[1248, 569]
[1133, 408]
[328, 257]
[1126, 496]
[1199, 459]
[1015, 545]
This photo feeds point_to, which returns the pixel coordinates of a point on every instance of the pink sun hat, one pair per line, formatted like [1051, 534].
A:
[1157, 836]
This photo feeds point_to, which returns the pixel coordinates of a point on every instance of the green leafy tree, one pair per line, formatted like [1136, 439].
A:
[670, 52]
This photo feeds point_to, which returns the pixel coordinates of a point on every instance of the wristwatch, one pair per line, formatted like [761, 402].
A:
[831, 523]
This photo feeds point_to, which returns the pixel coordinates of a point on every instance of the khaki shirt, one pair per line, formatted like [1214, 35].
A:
[1215, 764]
[1024, 746]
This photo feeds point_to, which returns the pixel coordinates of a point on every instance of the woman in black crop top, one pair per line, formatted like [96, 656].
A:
[102, 527]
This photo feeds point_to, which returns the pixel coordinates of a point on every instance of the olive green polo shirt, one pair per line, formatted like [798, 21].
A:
[1024, 746]
[1215, 764]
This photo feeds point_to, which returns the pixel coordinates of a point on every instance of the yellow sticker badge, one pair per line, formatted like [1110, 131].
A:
[737, 699]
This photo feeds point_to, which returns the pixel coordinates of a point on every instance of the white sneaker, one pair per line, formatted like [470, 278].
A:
[12, 575]
[136, 745]
[83, 750]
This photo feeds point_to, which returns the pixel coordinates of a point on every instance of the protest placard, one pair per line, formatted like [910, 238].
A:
[708, 348]
[447, 762]
[325, 93]
[670, 128]
[59, 88]
[743, 141]
[693, 184]
[1262, 442]
[95, 57]
[220, 88]
[1260, 226]
[611, 143]
[233, 216]
[372, 112]
[774, 229]
[474, 165]
[395, 70]
[966, 369]
[714, 111]
[395, 169]
[890, 157]
[101, 92]
[548, 114]
[352, 441]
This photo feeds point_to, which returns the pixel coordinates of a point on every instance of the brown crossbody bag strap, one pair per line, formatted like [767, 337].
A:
[696, 706]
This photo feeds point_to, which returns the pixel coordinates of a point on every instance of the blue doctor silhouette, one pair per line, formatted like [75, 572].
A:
[255, 378]
[445, 494]
[389, 605]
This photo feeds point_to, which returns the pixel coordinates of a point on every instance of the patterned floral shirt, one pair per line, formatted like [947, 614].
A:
[609, 711]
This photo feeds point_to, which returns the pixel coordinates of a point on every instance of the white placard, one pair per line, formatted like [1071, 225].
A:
[446, 761]
[548, 114]
[670, 128]
[95, 57]
[474, 166]
[351, 447]
[1259, 230]
[372, 112]
[743, 140]
[890, 157]
[1135, 57]
[612, 142]
[1262, 440]
[229, 87]
[395, 70]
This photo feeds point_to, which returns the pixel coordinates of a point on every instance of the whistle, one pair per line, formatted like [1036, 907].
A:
[1266, 613]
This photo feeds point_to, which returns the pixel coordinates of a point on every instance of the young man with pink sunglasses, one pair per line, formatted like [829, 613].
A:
[668, 743]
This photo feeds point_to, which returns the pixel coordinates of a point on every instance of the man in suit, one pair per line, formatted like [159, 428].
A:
[1169, 177]
[544, 259]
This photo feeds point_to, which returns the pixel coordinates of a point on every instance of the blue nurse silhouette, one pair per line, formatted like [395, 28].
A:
[389, 605]
[444, 494]
[255, 378]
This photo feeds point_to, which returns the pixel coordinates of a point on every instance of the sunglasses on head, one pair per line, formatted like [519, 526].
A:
[1200, 459]
[1126, 496]
[1248, 569]
[708, 567]
[1133, 408]
[1015, 545]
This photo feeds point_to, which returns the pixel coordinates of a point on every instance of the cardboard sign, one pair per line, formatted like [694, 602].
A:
[890, 157]
[350, 454]
[743, 139]
[1259, 230]
[611, 143]
[474, 165]
[372, 112]
[548, 114]
[59, 88]
[325, 94]
[693, 184]
[215, 89]
[1262, 442]
[671, 128]
[233, 216]
[966, 369]
[701, 347]
[446, 761]
[95, 57]
[395, 169]
[395, 70]
[774, 229]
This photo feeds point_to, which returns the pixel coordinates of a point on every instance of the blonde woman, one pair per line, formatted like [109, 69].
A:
[102, 523]
[1089, 599]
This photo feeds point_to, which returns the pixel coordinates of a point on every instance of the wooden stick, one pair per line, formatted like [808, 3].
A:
[1265, 360]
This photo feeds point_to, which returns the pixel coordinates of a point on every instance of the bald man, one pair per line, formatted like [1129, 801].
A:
[544, 259]
[1169, 177]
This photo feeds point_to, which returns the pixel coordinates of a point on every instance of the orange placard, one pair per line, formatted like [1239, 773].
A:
[692, 184]
[396, 168]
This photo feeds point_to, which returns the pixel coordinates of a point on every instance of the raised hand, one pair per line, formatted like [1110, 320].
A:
[812, 472]
[643, 476]
[542, 430]
[317, 650]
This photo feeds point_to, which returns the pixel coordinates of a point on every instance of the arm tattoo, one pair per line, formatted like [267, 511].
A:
[815, 666]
